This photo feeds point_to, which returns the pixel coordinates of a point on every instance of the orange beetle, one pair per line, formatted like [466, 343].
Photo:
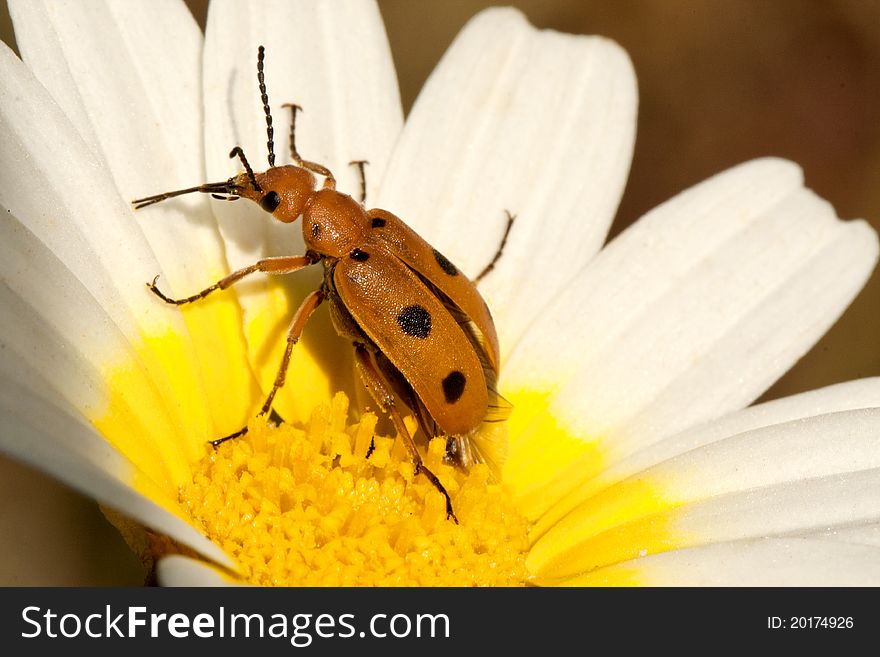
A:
[419, 327]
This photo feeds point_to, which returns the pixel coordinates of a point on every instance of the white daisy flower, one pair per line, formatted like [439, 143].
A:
[633, 455]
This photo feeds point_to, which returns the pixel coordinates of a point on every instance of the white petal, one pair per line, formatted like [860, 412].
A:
[176, 570]
[820, 446]
[790, 507]
[57, 190]
[760, 562]
[851, 395]
[130, 77]
[127, 75]
[695, 310]
[841, 397]
[862, 534]
[333, 59]
[55, 187]
[50, 439]
[536, 122]
[801, 476]
[52, 331]
[24, 394]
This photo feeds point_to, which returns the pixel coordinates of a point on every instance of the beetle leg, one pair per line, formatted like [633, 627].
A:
[314, 167]
[321, 170]
[305, 310]
[491, 265]
[379, 388]
[361, 164]
[275, 265]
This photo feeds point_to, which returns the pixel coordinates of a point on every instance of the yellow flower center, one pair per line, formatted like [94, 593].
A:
[337, 505]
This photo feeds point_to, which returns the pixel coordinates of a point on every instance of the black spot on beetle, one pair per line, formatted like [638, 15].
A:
[360, 256]
[444, 263]
[453, 386]
[270, 201]
[378, 222]
[415, 321]
[316, 230]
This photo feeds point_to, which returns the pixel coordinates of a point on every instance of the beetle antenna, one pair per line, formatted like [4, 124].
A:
[270, 131]
[247, 167]
[229, 188]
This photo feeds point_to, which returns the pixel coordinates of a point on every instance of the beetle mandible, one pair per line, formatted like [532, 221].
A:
[419, 327]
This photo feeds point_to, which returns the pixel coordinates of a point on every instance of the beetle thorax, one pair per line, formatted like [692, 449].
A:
[334, 224]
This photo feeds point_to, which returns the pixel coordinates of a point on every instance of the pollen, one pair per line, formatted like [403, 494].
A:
[336, 504]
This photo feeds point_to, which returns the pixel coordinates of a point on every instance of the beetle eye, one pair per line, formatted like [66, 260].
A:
[270, 201]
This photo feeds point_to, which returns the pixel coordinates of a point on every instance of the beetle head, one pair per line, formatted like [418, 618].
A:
[281, 191]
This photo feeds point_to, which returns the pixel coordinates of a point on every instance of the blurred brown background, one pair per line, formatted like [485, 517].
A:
[720, 81]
